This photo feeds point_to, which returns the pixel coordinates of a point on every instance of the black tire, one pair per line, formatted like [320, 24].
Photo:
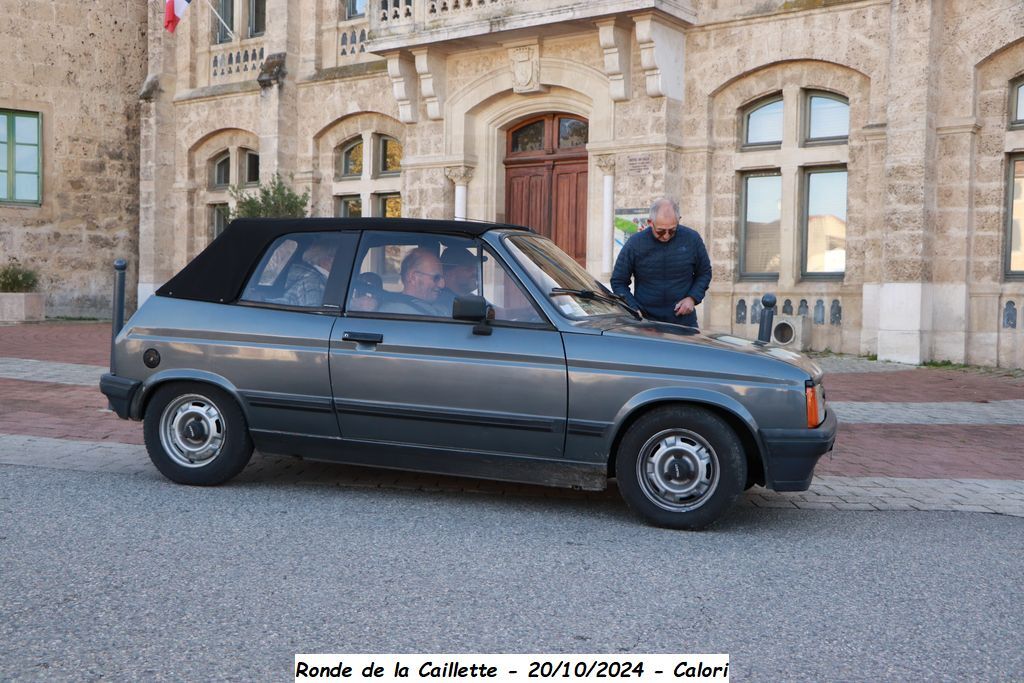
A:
[680, 467]
[187, 415]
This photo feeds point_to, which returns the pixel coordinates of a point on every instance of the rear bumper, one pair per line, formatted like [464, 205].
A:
[793, 453]
[119, 392]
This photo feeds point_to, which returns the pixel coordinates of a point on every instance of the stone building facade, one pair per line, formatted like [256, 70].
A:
[863, 160]
[69, 151]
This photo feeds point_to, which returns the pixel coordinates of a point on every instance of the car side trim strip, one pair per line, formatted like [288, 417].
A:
[588, 427]
[264, 399]
[452, 415]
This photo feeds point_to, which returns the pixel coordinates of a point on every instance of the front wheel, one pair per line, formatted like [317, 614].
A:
[680, 467]
[196, 434]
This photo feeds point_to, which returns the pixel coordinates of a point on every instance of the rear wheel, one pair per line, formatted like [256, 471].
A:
[196, 434]
[680, 467]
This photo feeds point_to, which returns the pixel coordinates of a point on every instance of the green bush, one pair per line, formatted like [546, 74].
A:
[14, 277]
[274, 200]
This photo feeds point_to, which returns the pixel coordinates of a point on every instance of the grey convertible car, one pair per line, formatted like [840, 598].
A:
[462, 348]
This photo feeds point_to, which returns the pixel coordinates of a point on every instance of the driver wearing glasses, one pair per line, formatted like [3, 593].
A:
[422, 282]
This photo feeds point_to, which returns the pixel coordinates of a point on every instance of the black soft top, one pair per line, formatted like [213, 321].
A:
[219, 272]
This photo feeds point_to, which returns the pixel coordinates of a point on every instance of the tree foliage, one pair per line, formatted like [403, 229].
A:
[273, 200]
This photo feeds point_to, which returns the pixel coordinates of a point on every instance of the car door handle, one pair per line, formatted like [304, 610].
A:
[365, 337]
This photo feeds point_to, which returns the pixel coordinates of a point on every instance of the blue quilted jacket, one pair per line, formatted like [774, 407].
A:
[663, 273]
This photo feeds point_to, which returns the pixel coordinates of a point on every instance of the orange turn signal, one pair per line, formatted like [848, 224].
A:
[813, 419]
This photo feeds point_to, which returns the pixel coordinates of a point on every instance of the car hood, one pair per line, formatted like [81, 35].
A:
[678, 334]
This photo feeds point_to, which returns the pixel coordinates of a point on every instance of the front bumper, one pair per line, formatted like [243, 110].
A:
[793, 453]
[119, 392]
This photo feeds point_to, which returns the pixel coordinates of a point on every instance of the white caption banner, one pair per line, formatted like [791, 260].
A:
[519, 668]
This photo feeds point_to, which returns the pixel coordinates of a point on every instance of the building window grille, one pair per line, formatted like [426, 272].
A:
[21, 159]
[760, 220]
[823, 222]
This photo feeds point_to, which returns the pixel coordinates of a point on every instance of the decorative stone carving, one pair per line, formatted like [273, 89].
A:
[431, 69]
[787, 307]
[403, 83]
[606, 162]
[662, 47]
[1010, 316]
[802, 310]
[524, 61]
[460, 175]
[614, 40]
[272, 70]
[819, 312]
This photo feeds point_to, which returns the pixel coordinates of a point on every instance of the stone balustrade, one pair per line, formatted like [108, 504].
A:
[236, 61]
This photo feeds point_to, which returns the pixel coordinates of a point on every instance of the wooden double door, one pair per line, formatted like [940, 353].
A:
[546, 179]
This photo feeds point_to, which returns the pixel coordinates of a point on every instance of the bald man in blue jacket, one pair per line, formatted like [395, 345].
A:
[669, 267]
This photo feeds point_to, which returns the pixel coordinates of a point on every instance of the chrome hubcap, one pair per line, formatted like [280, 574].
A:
[677, 469]
[192, 430]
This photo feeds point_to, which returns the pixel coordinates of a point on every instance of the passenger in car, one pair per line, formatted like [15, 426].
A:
[307, 278]
[422, 282]
[367, 292]
[461, 274]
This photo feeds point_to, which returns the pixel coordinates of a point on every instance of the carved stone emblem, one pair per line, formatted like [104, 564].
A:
[525, 62]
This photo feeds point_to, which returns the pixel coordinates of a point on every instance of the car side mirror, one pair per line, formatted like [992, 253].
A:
[474, 309]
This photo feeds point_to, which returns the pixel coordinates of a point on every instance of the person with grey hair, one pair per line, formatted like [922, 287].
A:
[668, 266]
[422, 282]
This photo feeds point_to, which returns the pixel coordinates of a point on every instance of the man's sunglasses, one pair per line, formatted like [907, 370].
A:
[661, 232]
[437, 278]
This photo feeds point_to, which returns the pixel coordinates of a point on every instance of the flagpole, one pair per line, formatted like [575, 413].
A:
[222, 22]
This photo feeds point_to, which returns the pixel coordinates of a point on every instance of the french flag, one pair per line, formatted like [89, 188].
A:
[174, 12]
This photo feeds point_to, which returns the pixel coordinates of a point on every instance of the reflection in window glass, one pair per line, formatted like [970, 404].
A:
[218, 219]
[356, 8]
[529, 138]
[761, 220]
[572, 133]
[502, 292]
[257, 17]
[390, 205]
[350, 207]
[390, 155]
[830, 118]
[222, 171]
[1016, 217]
[226, 10]
[26, 130]
[252, 168]
[352, 160]
[764, 124]
[826, 222]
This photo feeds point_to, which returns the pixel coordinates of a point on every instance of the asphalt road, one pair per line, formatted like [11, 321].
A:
[131, 577]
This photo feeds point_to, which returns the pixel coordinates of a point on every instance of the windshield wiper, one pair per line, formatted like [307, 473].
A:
[597, 296]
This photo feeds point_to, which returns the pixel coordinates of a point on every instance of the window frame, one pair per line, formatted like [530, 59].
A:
[1011, 275]
[10, 115]
[215, 162]
[1015, 116]
[226, 9]
[805, 129]
[745, 113]
[382, 140]
[253, 33]
[742, 214]
[804, 219]
[344, 148]
[339, 202]
[379, 201]
[246, 180]
[350, 12]
[218, 208]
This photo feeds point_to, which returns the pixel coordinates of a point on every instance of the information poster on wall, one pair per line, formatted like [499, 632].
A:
[627, 223]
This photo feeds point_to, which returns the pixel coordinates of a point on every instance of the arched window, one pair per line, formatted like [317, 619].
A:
[220, 171]
[349, 162]
[762, 123]
[827, 118]
[390, 156]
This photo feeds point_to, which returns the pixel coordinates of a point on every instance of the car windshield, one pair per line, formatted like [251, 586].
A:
[550, 268]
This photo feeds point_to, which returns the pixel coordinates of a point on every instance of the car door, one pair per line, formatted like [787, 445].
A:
[407, 376]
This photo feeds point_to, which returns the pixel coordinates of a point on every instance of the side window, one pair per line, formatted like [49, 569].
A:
[294, 270]
[510, 302]
[412, 274]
